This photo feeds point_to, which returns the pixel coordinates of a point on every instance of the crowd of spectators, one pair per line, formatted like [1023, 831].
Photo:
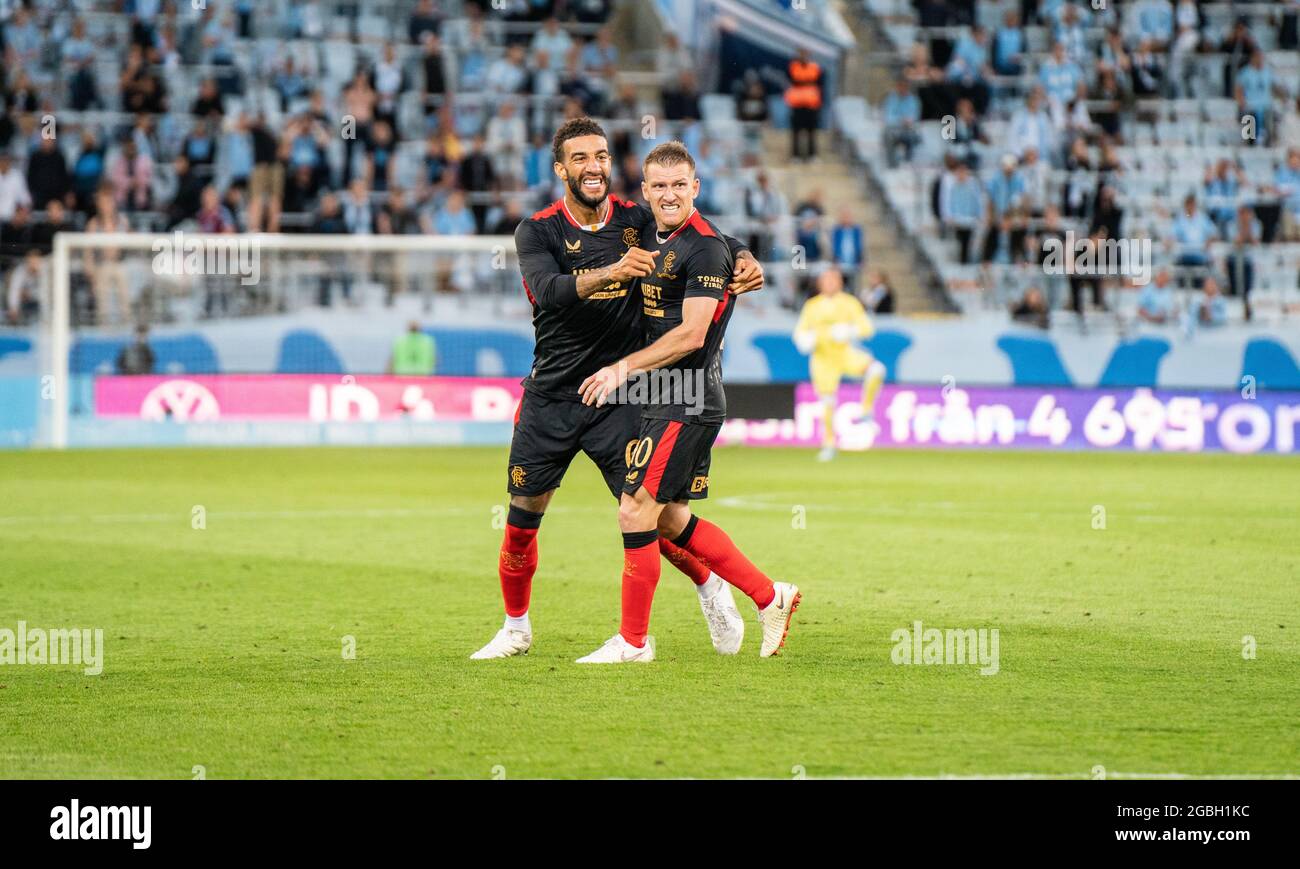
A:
[155, 114]
[1063, 113]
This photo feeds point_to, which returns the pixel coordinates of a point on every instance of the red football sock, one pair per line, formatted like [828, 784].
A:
[640, 576]
[684, 561]
[711, 545]
[518, 560]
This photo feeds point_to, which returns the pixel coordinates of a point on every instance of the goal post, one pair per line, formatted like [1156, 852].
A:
[269, 275]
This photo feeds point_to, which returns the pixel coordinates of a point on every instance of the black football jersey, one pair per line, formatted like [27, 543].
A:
[576, 337]
[694, 261]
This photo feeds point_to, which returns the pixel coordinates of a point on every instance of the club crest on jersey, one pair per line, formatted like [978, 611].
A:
[667, 273]
[573, 247]
[517, 475]
[631, 237]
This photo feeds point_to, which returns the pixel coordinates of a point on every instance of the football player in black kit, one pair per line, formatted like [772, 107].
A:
[685, 309]
[579, 258]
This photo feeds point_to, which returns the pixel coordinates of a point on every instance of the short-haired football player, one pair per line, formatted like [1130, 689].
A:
[579, 258]
[685, 308]
[829, 329]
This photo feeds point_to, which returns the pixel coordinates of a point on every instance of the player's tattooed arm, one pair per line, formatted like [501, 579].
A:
[636, 263]
[547, 283]
[748, 273]
[686, 337]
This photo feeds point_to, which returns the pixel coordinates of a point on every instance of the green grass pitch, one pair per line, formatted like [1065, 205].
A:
[1120, 647]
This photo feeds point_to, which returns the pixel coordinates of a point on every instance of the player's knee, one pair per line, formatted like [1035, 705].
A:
[876, 371]
[672, 521]
[532, 503]
[635, 514]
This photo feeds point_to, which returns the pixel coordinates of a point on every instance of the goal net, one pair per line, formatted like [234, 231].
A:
[143, 330]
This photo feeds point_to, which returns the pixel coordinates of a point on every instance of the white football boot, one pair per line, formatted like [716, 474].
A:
[726, 627]
[506, 643]
[619, 651]
[775, 617]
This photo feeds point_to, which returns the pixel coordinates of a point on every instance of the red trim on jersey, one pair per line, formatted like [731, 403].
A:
[531, 298]
[549, 211]
[690, 218]
[519, 409]
[697, 220]
[722, 306]
[655, 473]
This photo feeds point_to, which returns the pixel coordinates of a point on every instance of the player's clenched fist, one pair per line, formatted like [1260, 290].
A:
[636, 263]
[747, 277]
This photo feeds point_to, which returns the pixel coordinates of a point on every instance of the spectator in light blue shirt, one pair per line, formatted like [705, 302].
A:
[1009, 46]
[961, 206]
[1211, 308]
[1007, 189]
[1286, 181]
[237, 151]
[847, 247]
[902, 110]
[1156, 301]
[454, 218]
[1153, 20]
[1255, 93]
[967, 67]
[1222, 185]
[1060, 76]
[1193, 232]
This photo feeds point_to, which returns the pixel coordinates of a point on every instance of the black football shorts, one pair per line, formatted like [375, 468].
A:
[671, 460]
[549, 432]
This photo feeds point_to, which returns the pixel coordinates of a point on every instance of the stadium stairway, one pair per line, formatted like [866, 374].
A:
[841, 186]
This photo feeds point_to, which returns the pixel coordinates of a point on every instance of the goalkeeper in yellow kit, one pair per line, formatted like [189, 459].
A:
[829, 328]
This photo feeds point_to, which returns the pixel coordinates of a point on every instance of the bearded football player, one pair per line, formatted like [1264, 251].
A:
[579, 258]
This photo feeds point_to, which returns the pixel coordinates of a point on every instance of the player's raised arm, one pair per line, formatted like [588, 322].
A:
[709, 270]
[636, 263]
[546, 281]
[684, 338]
